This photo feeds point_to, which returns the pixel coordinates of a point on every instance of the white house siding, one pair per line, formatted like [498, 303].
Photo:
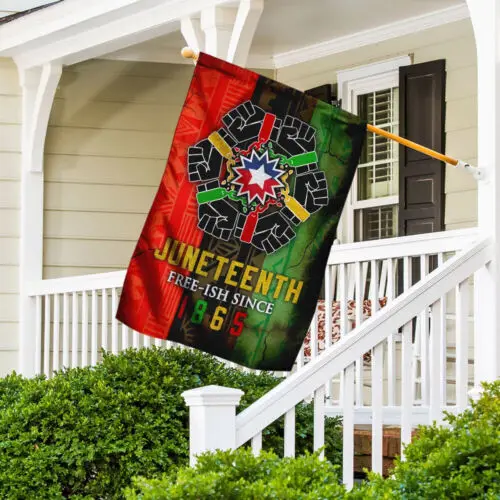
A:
[453, 42]
[10, 164]
[109, 137]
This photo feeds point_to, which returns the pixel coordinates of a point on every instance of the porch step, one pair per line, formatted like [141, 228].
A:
[391, 448]
[391, 414]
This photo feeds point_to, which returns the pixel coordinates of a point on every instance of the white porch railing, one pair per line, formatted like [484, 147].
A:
[213, 410]
[76, 315]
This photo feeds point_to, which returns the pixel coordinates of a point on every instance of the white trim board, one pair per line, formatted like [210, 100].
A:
[372, 36]
[20, 5]
[171, 56]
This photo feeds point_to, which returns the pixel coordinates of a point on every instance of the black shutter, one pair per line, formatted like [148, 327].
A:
[422, 120]
[326, 92]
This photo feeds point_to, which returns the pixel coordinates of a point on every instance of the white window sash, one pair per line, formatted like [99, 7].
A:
[352, 83]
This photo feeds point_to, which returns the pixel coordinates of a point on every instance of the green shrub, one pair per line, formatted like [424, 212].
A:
[462, 461]
[86, 432]
[239, 475]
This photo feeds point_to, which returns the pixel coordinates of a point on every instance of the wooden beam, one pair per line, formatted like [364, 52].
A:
[217, 24]
[192, 32]
[245, 25]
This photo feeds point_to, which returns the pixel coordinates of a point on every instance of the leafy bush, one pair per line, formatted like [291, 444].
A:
[239, 475]
[87, 431]
[462, 461]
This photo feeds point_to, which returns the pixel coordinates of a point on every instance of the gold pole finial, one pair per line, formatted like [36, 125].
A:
[189, 53]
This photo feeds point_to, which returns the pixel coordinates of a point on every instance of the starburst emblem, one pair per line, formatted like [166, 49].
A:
[258, 177]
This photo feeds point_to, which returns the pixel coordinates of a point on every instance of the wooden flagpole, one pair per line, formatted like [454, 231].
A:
[189, 53]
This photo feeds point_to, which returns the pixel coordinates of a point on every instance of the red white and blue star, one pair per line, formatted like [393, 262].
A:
[258, 177]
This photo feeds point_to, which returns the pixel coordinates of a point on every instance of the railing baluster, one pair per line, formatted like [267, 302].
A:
[85, 328]
[462, 348]
[66, 330]
[328, 322]
[343, 299]
[348, 427]
[158, 342]
[343, 317]
[406, 386]
[114, 321]
[47, 337]
[435, 357]
[443, 385]
[257, 444]
[55, 347]
[391, 347]
[94, 348]
[125, 336]
[424, 338]
[314, 334]
[74, 329]
[135, 340]
[104, 319]
[147, 340]
[384, 279]
[360, 293]
[289, 433]
[319, 420]
[38, 335]
[377, 383]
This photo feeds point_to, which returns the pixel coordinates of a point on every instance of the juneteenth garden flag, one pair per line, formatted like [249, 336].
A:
[232, 254]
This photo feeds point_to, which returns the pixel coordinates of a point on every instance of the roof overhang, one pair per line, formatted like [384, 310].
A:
[73, 31]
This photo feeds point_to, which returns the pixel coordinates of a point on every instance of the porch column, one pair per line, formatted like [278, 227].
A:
[485, 16]
[39, 87]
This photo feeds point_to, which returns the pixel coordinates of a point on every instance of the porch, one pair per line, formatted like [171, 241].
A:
[431, 334]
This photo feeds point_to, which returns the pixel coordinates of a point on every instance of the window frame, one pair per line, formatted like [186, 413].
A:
[352, 83]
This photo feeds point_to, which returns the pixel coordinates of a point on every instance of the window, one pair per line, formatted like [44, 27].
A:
[372, 207]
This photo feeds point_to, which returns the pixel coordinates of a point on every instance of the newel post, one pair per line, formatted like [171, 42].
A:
[485, 17]
[212, 419]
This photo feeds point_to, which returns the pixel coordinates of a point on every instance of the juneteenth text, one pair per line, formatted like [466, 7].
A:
[229, 272]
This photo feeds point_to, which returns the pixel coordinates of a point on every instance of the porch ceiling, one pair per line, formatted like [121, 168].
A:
[291, 31]
[288, 31]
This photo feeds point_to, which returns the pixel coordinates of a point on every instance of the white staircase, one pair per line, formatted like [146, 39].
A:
[427, 297]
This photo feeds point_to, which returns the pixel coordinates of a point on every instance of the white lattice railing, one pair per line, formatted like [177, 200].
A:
[76, 315]
[212, 409]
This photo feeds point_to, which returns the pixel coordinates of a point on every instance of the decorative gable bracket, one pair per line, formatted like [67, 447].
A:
[39, 89]
[224, 31]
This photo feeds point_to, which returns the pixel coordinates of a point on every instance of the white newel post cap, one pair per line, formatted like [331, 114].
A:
[212, 395]
[212, 418]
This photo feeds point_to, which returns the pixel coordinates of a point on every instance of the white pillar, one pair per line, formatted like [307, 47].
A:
[485, 16]
[212, 419]
[31, 241]
[39, 87]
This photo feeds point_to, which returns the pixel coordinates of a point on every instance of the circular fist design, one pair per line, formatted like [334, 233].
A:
[257, 178]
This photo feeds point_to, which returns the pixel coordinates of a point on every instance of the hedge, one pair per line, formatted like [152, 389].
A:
[87, 431]
[238, 475]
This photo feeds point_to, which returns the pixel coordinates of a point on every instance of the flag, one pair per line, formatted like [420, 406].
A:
[233, 251]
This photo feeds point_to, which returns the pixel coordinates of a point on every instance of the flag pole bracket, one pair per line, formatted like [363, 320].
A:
[476, 172]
